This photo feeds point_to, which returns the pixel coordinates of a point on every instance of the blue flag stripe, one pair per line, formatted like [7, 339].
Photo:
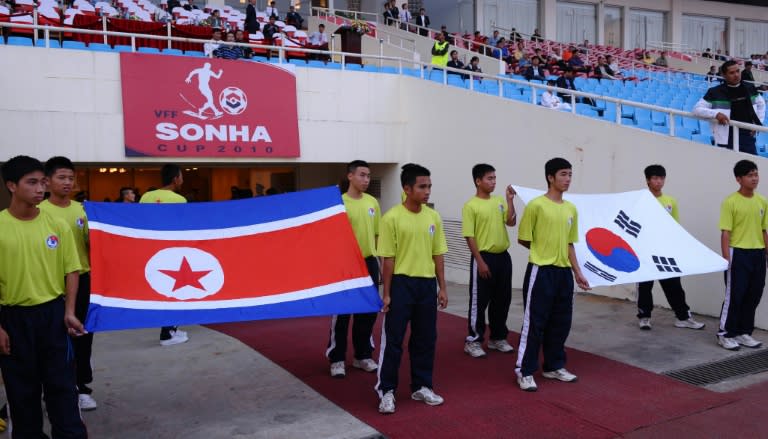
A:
[213, 215]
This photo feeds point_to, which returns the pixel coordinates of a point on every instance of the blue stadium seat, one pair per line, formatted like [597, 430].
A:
[356, 67]
[311, 63]
[647, 124]
[20, 41]
[693, 124]
[659, 118]
[683, 133]
[198, 53]
[53, 44]
[100, 47]
[303, 63]
[148, 50]
[333, 66]
[388, 69]
[74, 45]
[371, 68]
[456, 81]
[120, 48]
[173, 52]
[659, 129]
[411, 72]
[702, 138]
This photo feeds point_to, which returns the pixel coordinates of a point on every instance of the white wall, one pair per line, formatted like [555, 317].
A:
[68, 102]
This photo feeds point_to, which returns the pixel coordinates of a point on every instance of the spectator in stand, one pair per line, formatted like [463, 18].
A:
[215, 20]
[514, 36]
[648, 58]
[719, 56]
[536, 36]
[746, 74]
[501, 51]
[577, 64]
[240, 38]
[493, 40]
[394, 11]
[707, 53]
[455, 63]
[294, 18]
[556, 54]
[446, 34]
[519, 51]
[523, 63]
[387, 14]
[272, 11]
[405, 16]
[440, 51]
[661, 61]
[422, 20]
[318, 41]
[568, 53]
[127, 195]
[190, 5]
[172, 4]
[211, 46]
[550, 100]
[566, 81]
[228, 51]
[270, 30]
[712, 75]
[613, 65]
[584, 47]
[535, 70]
[734, 100]
[474, 66]
[603, 71]
[251, 22]
[537, 54]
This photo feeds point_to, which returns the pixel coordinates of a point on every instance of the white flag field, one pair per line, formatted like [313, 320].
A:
[630, 237]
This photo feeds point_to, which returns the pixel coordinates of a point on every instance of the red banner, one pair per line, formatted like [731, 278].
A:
[178, 106]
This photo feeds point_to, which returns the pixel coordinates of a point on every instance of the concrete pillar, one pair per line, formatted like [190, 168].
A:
[480, 23]
[600, 31]
[626, 37]
[675, 22]
[330, 6]
[730, 36]
[548, 14]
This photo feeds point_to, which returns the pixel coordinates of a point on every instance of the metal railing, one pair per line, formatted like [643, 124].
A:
[425, 71]
[343, 13]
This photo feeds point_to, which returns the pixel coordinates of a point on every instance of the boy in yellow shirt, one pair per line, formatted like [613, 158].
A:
[549, 227]
[60, 173]
[743, 239]
[655, 177]
[38, 289]
[173, 179]
[364, 214]
[484, 221]
[412, 244]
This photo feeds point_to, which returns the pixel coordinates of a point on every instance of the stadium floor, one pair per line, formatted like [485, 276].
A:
[215, 386]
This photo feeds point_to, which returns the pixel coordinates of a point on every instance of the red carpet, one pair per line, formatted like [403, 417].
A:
[482, 397]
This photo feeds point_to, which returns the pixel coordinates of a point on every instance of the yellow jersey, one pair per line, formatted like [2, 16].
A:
[162, 196]
[74, 216]
[745, 218]
[413, 239]
[364, 214]
[670, 205]
[550, 227]
[485, 220]
[36, 256]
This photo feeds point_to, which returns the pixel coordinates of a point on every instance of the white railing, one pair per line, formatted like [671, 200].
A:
[343, 13]
[425, 71]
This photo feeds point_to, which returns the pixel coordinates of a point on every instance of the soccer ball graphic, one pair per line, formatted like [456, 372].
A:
[233, 101]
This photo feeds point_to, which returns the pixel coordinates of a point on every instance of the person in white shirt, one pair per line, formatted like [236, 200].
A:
[272, 10]
[318, 41]
[212, 45]
[405, 16]
[550, 100]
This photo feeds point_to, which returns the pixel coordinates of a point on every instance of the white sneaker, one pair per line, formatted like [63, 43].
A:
[86, 402]
[367, 365]
[177, 337]
[748, 341]
[428, 396]
[689, 323]
[474, 349]
[527, 383]
[645, 323]
[181, 333]
[337, 370]
[387, 403]
[728, 343]
[500, 345]
[562, 375]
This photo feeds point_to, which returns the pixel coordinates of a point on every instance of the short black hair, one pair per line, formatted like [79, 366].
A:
[480, 170]
[724, 67]
[169, 172]
[554, 165]
[744, 167]
[655, 171]
[354, 164]
[55, 163]
[14, 169]
[321, 25]
[410, 172]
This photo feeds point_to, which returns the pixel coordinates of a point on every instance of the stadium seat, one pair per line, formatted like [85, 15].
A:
[702, 138]
[20, 41]
[53, 44]
[147, 50]
[74, 45]
[123, 49]
[300, 62]
[173, 52]
[100, 47]
[388, 69]
[196, 53]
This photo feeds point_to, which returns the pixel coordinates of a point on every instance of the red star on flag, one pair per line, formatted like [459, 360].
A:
[185, 276]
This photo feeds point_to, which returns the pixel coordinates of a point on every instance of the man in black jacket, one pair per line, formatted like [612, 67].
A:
[535, 70]
[422, 20]
[270, 29]
[251, 24]
[566, 81]
[294, 18]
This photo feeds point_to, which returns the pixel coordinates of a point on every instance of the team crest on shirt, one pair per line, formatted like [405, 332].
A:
[570, 221]
[80, 222]
[669, 208]
[431, 230]
[501, 208]
[761, 211]
[52, 241]
[371, 211]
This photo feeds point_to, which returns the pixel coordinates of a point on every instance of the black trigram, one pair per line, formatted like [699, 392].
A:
[666, 265]
[631, 227]
[600, 272]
